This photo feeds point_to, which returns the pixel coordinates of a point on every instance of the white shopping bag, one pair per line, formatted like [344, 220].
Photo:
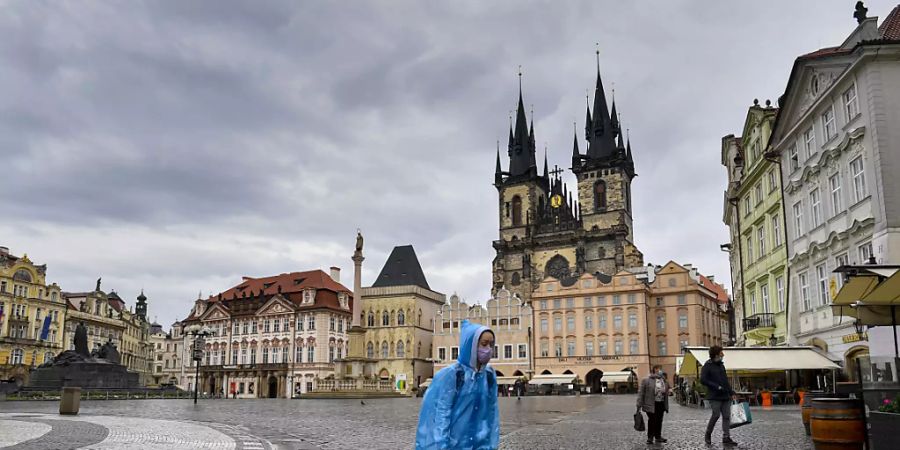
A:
[740, 414]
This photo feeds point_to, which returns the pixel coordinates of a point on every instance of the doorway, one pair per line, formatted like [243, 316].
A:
[592, 380]
[273, 387]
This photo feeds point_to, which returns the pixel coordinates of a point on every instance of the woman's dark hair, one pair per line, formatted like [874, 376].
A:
[655, 367]
[714, 351]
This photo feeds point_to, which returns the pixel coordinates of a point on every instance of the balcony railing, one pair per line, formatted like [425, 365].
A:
[763, 320]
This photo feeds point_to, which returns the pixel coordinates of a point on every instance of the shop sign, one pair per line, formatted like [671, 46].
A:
[853, 337]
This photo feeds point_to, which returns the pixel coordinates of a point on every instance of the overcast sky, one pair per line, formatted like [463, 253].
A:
[176, 146]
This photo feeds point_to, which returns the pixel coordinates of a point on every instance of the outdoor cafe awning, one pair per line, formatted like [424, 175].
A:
[617, 377]
[864, 298]
[757, 359]
[552, 379]
[507, 380]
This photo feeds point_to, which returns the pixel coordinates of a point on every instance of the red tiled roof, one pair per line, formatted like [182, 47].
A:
[827, 51]
[890, 27]
[721, 293]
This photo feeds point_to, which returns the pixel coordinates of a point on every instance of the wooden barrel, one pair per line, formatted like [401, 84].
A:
[837, 424]
[806, 406]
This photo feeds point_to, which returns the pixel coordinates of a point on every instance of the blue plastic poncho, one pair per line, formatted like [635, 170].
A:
[459, 410]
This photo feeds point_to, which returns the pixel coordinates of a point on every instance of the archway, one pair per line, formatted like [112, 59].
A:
[384, 374]
[568, 372]
[499, 373]
[592, 380]
[851, 360]
[546, 372]
[212, 386]
[518, 373]
[273, 387]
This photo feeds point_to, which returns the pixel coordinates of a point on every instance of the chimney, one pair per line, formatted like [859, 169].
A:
[4, 251]
[336, 274]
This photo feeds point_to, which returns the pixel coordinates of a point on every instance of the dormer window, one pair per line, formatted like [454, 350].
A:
[309, 296]
[342, 299]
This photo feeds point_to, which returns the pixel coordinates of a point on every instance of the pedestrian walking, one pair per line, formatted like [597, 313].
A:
[653, 399]
[459, 410]
[719, 394]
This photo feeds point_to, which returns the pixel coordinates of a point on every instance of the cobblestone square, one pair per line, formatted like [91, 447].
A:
[586, 422]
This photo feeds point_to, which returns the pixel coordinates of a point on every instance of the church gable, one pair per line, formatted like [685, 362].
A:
[276, 305]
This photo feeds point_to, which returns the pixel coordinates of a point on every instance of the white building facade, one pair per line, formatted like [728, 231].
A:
[838, 139]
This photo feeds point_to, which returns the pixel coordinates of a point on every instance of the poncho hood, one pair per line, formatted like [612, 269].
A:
[468, 343]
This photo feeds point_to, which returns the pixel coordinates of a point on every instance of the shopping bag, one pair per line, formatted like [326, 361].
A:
[639, 421]
[740, 414]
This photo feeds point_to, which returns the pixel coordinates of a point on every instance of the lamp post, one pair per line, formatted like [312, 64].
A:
[200, 334]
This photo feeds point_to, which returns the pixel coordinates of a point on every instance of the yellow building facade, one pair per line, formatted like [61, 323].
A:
[32, 314]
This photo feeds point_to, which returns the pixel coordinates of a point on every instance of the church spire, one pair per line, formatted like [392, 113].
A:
[522, 151]
[587, 119]
[546, 167]
[498, 172]
[602, 144]
[576, 154]
[614, 117]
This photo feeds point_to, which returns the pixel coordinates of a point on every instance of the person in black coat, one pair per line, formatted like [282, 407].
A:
[719, 395]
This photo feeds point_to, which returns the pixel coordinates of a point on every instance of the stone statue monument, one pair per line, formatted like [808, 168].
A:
[359, 242]
[80, 340]
[97, 289]
[860, 13]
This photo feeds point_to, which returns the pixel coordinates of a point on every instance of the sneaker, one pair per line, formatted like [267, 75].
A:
[650, 441]
[728, 441]
[661, 440]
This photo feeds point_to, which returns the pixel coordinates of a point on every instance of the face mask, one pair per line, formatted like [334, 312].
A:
[484, 354]
[718, 359]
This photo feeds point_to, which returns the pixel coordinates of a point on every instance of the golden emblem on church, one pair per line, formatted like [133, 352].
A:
[556, 201]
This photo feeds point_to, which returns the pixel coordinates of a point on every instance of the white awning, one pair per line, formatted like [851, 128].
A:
[757, 359]
[617, 377]
[425, 383]
[507, 380]
[552, 379]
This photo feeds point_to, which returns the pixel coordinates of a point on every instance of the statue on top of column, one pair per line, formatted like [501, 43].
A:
[359, 243]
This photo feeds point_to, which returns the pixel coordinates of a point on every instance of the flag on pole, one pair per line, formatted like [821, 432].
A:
[46, 330]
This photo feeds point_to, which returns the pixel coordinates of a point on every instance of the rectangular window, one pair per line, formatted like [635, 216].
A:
[749, 249]
[859, 179]
[601, 300]
[252, 355]
[244, 355]
[332, 324]
[300, 323]
[841, 260]
[803, 281]
[557, 324]
[758, 193]
[746, 206]
[822, 284]
[865, 252]
[836, 204]
[558, 349]
[632, 321]
[589, 348]
[507, 351]
[310, 353]
[764, 298]
[776, 230]
[816, 207]
[557, 303]
[237, 328]
[616, 300]
[660, 301]
[604, 348]
[798, 219]
[761, 237]
[570, 303]
[683, 343]
[267, 326]
[633, 347]
[773, 181]
[682, 299]
[276, 327]
[632, 298]
[442, 353]
[682, 320]
[661, 322]
[617, 347]
[544, 327]
[851, 107]
[794, 158]
[752, 302]
[311, 323]
[545, 349]
[589, 322]
[828, 123]
[663, 350]
[779, 293]
[617, 321]
[602, 322]
[543, 304]
[523, 351]
[570, 323]
[809, 142]
[454, 353]
[588, 302]
[570, 348]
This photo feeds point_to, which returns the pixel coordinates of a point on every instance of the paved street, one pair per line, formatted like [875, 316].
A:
[532, 423]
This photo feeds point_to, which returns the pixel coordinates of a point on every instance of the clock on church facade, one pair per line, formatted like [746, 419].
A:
[547, 230]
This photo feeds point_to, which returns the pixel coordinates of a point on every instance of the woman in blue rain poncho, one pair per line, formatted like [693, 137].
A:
[460, 406]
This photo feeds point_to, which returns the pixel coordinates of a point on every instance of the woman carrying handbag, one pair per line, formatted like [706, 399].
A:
[653, 398]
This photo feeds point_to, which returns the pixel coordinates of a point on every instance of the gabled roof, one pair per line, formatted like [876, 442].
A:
[285, 283]
[402, 268]
[890, 28]
[721, 293]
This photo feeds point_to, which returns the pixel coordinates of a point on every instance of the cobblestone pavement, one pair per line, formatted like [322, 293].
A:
[588, 422]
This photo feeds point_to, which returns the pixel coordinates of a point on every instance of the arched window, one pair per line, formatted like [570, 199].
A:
[371, 321]
[401, 318]
[370, 350]
[600, 195]
[385, 319]
[517, 211]
[17, 356]
[401, 351]
[384, 349]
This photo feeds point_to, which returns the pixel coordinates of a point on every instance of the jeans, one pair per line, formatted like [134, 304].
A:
[654, 421]
[723, 408]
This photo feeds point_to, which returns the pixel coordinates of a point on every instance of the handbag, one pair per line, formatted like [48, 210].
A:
[740, 414]
[639, 421]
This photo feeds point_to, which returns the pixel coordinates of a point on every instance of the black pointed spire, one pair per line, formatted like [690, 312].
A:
[620, 142]
[587, 118]
[628, 150]
[576, 154]
[614, 117]
[522, 151]
[546, 166]
[602, 144]
[498, 172]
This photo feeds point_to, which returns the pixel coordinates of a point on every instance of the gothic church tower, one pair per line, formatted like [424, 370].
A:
[546, 230]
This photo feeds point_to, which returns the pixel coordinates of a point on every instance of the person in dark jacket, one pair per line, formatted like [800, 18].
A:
[653, 399]
[719, 395]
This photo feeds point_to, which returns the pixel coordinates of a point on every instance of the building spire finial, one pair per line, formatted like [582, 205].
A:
[597, 51]
[520, 80]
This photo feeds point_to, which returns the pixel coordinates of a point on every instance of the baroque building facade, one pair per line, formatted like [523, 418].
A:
[629, 321]
[837, 139]
[508, 316]
[32, 314]
[754, 211]
[547, 230]
[272, 336]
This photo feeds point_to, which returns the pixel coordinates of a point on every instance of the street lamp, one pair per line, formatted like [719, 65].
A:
[200, 334]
